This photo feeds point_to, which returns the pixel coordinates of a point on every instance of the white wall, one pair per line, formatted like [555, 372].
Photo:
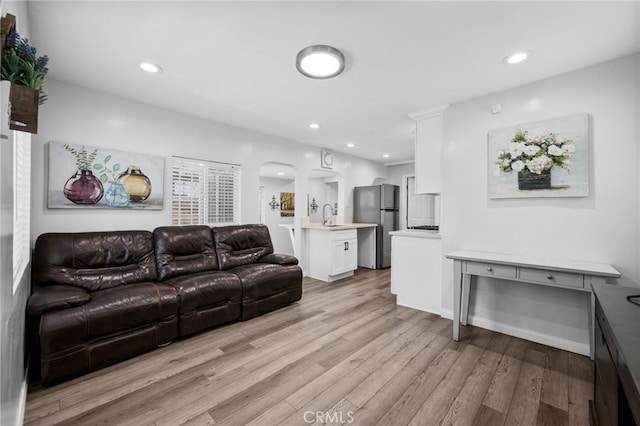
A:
[78, 115]
[602, 227]
[398, 171]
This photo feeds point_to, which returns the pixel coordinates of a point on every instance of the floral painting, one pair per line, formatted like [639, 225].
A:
[84, 177]
[540, 159]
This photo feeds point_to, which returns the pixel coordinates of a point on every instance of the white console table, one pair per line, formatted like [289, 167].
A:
[571, 275]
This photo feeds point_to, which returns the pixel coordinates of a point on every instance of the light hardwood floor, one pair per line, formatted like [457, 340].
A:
[344, 354]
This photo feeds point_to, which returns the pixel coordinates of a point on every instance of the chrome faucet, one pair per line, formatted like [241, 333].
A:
[326, 220]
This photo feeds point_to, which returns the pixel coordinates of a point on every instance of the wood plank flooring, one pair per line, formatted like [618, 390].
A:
[344, 354]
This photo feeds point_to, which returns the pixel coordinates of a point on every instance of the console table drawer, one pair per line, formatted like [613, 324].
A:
[491, 270]
[552, 277]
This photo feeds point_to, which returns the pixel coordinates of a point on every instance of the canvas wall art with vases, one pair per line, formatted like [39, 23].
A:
[84, 176]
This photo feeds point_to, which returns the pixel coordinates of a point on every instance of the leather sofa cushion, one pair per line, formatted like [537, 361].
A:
[184, 250]
[241, 245]
[279, 259]
[94, 260]
[206, 289]
[262, 280]
[56, 297]
[109, 311]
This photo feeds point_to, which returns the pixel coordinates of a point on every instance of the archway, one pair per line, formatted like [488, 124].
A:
[277, 203]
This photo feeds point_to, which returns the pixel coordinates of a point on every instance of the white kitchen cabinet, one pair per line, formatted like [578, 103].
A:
[333, 255]
[416, 264]
[344, 256]
[428, 150]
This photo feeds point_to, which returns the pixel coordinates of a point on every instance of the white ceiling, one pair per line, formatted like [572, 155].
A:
[234, 62]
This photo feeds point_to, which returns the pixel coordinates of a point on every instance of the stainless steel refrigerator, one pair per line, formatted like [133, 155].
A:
[378, 204]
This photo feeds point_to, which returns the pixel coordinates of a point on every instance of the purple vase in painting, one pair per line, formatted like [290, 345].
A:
[83, 188]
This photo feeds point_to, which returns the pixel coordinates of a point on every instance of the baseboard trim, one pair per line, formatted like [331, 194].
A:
[406, 305]
[534, 336]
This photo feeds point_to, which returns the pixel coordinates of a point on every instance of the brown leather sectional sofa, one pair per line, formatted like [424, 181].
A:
[102, 297]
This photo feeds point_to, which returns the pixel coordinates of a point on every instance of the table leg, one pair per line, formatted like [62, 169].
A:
[592, 315]
[466, 289]
[457, 284]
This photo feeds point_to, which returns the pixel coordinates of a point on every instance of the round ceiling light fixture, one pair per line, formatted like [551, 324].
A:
[320, 61]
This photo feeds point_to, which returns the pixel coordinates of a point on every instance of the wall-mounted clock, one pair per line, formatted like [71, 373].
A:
[326, 159]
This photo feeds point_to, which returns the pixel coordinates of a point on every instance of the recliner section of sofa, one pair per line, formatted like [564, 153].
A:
[187, 261]
[268, 281]
[98, 301]
[101, 297]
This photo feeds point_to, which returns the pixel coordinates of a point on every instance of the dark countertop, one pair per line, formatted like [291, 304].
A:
[624, 321]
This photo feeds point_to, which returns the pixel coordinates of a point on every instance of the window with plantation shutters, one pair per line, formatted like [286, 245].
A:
[21, 205]
[204, 192]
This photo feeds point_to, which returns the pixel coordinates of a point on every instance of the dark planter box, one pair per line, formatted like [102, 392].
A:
[24, 108]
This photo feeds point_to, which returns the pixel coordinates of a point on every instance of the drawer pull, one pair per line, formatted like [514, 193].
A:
[549, 277]
[489, 269]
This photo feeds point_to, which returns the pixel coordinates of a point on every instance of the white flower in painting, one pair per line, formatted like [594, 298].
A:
[554, 150]
[517, 166]
[538, 164]
[568, 148]
[515, 149]
[531, 150]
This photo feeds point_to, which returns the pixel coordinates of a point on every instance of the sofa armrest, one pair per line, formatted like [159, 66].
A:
[279, 259]
[52, 298]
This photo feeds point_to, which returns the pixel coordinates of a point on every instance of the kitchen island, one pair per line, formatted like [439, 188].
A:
[334, 252]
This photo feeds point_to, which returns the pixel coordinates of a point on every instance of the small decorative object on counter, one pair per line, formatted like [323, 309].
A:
[136, 183]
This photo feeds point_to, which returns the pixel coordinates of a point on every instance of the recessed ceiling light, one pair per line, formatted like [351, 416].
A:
[150, 67]
[351, 145]
[385, 155]
[320, 61]
[516, 58]
[314, 126]
[280, 173]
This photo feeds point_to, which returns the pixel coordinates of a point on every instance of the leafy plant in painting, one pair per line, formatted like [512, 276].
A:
[21, 66]
[534, 155]
[107, 172]
[84, 159]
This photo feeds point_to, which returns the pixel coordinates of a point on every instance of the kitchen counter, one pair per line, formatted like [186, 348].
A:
[338, 227]
[417, 233]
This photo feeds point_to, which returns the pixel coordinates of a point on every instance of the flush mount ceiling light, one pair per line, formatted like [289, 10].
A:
[320, 61]
[516, 58]
[150, 67]
[314, 126]
[351, 145]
